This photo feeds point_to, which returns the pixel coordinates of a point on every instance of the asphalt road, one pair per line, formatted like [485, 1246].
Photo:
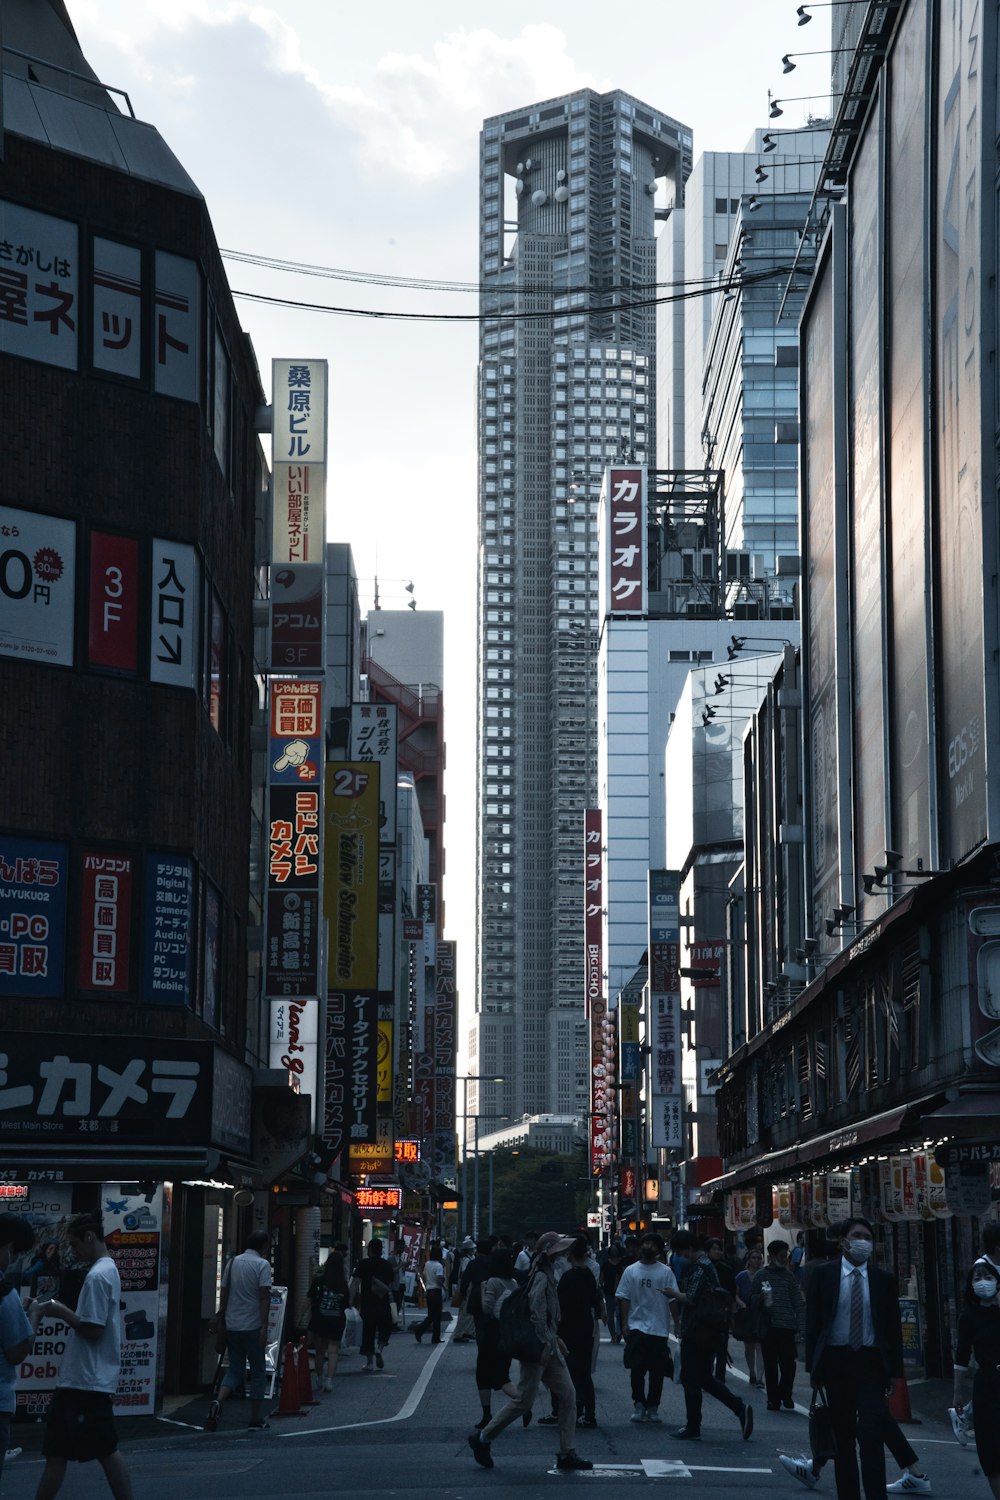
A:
[403, 1431]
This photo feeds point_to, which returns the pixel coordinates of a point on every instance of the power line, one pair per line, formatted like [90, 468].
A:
[698, 290]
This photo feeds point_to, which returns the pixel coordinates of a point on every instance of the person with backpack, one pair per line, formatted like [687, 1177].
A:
[707, 1310]
[328, 1297]
[492, 1364]
[529, 1332]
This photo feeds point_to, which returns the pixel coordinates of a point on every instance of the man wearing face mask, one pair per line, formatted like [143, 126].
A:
[854, 1351]
[643, 1294]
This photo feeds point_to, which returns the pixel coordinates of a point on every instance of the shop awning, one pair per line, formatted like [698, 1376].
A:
[835, 1143]
[24, 1163]
[969, 1115]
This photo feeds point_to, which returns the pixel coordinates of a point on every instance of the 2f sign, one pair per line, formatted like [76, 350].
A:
[349, 783]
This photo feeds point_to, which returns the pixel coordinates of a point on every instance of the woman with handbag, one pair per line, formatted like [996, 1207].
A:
[328, 1297]
[748, 1323]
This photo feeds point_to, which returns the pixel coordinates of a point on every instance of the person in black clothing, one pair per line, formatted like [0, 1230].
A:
[727, 1280]
[476, 1272]
[700, 1339]
[611, 1274]
[328, 1297]
[979, 1334]
[372, 1287]
[580, 1306]
[854, 1351]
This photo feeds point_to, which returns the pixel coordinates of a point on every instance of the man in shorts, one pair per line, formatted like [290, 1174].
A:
[80, 1424]
[243, 1312]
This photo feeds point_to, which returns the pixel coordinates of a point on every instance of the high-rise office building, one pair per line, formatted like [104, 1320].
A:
[569, 194]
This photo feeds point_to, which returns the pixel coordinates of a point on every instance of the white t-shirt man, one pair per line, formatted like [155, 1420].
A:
[433, 1276]
[645, 1289]
[93, 1364]
[246, 1276]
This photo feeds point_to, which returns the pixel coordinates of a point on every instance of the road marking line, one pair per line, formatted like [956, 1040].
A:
[406, 1411]
[666, 1468]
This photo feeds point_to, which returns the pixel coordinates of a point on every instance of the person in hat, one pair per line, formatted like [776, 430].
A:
[551, 1368]
[465, 1326]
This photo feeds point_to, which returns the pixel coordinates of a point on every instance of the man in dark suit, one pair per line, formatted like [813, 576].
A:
[854, 1350]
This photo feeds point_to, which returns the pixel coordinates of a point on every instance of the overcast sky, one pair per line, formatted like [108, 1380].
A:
[345, 135]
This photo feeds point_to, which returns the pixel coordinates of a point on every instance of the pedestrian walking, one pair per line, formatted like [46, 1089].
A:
[328, 1297]
[581, 1308]
[706, 1311]
[727, 1280]
[611, 1275]
[465, 1327]
[807, 1468]
[797, 1258]
[775, 1289]
[979, 1334]
[244, 1304]
[522, 1261]
[433, 1279]
[371, 1285]
[749, 1323]
[854, 1351]
[647, 1293]
[79, 1423]
[16, 1331]
[550, 1368]
[492, 1365]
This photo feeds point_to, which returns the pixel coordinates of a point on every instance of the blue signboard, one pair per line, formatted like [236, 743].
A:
[33, 878]
[168, 930]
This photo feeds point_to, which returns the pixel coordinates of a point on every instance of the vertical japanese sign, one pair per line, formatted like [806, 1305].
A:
[351, 873]
[114, 602]
[423, 1044]
[34, 875]
[168, 930]
[444, 1163]
[106, 922]
[39, 286]
[374, 736]
[602, 1058]
[362, 1045]
[622, 511]
[298, 513]
[178, 334]
[37, 586]
[666, 1092]
[335, 1094]
[117, 308]
[174, 614]
[291, 958]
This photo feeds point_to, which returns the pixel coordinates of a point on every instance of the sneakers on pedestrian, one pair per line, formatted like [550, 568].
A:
[480, 1451]
[260, 1426]
[653, 1414]
[214, 1413]
[686, 1434]
[572, 1460]
[801, 1468]
[586, 1422]
[11, 1454]
[550, 1421]
[379, 1360]
[746, 1421]
[638, 1413]
[960, 1425]
[788, 1405]
[328, 1384]
[910, 1484]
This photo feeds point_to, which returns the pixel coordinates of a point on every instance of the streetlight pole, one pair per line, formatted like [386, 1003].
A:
[465, 1079]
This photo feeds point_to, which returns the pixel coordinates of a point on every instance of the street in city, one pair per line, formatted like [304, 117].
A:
[403, 1431]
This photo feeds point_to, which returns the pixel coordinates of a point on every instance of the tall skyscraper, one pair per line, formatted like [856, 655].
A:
[570, 190]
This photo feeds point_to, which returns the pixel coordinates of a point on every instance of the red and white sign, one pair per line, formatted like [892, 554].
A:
[706, 958]
[114, 602]
[602, 1047]
[105, 922]
[623, 506]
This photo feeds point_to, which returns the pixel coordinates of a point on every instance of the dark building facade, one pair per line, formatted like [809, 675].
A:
[863, 1075]
[131, 482]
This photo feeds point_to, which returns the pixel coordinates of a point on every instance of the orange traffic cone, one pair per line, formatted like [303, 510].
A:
[289, 1405]
[899, 1402]
[306, 1397]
